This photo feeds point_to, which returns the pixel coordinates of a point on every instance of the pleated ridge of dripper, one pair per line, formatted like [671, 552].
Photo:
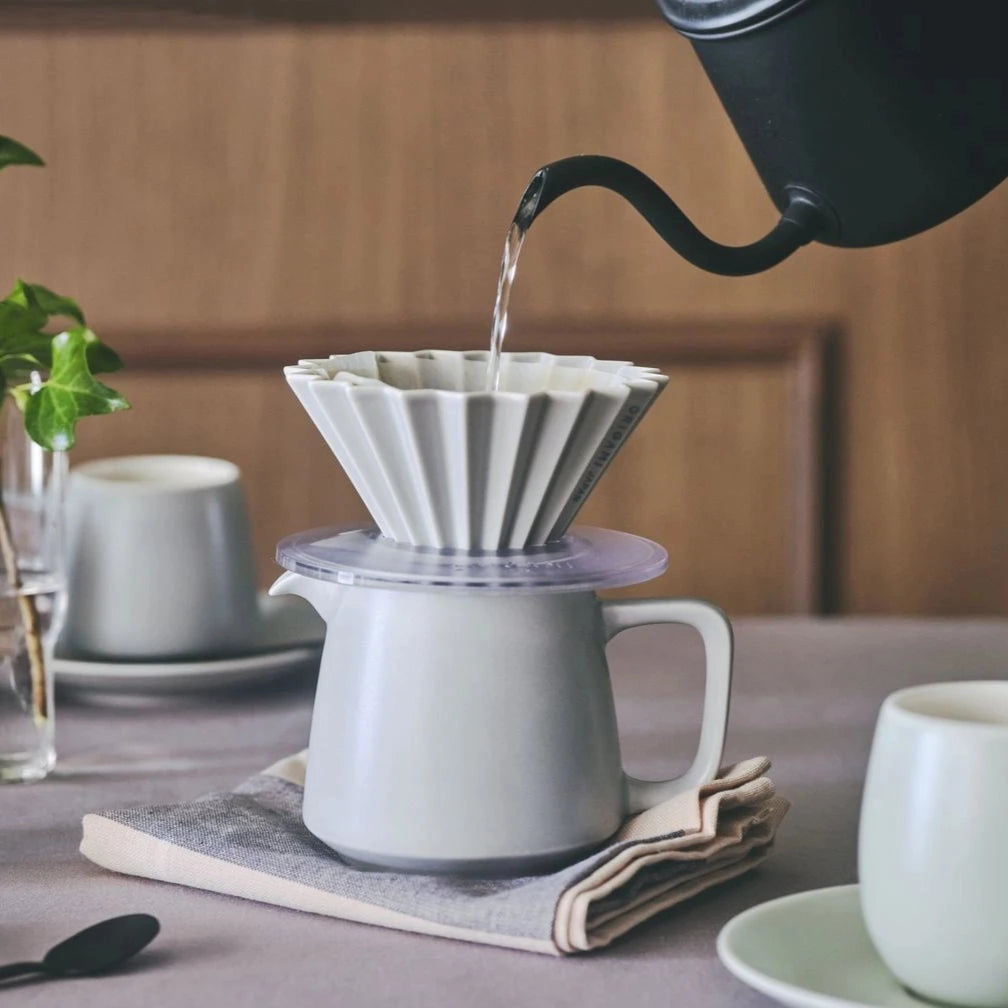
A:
[440, 462]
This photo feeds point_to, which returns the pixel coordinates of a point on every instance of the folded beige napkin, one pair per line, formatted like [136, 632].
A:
[251, 842]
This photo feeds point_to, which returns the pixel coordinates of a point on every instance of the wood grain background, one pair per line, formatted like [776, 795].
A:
[227, 194]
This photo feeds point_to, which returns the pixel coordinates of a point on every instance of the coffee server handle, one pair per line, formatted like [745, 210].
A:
[715, 630]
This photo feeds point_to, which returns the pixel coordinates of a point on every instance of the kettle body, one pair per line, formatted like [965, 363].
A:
[892, 114]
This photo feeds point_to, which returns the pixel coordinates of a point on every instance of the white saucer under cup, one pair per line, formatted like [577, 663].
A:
[287, 641]
[811, 950]
[160, 562]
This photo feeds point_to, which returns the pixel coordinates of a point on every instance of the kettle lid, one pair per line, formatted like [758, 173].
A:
[721, 18]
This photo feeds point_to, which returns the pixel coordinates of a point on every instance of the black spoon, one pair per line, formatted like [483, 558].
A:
[93, 950]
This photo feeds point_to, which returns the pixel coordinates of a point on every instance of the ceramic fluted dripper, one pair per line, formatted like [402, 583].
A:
[440, 462]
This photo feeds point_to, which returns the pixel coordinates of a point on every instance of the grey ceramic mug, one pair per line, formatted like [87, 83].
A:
[159, 559]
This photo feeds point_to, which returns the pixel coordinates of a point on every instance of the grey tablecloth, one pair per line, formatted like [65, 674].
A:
[806, 694]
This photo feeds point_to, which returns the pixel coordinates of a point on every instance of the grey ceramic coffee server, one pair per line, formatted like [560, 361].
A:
[464, 719]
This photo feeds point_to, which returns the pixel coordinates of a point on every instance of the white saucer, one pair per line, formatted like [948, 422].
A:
[289, 637]
[811, 950]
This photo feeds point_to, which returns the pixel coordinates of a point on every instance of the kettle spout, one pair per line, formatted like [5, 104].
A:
[322, 595]
[806, 216]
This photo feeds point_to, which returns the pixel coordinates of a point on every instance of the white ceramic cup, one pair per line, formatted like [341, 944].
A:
[159, 559]
[933, 847]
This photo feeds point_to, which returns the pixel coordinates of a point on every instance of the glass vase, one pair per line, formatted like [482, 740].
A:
[31, 597]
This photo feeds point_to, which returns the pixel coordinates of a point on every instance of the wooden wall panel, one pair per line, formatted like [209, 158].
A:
[279, 175]
[715, 429]
[316, 178]
[227, 14]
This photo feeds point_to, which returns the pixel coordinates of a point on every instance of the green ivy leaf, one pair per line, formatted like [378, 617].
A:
[28, 308]
[37, 296]
[50, 378]
[20, 394]
[12, 153]
[31, 351]
[52, 412]
[18, 321]
[17, 367]
[101, 358]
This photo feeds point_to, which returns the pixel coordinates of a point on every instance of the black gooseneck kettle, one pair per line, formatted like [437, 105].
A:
[867, 120]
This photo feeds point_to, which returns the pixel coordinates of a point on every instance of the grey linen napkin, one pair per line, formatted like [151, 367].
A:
[251, 842]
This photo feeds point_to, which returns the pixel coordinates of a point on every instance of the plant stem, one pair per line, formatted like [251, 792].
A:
[29, 618]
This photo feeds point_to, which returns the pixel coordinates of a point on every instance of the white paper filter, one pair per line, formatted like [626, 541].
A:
[440, 462]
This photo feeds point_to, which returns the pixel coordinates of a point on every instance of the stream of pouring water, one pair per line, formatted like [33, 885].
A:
[520, 224]
[509, 263]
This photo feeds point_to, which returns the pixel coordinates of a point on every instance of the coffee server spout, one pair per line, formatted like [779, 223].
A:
[322, 595]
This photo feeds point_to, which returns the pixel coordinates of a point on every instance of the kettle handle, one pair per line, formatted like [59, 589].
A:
[715, 630]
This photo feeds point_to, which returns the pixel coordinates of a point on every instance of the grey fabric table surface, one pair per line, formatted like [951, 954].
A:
[806, 693]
